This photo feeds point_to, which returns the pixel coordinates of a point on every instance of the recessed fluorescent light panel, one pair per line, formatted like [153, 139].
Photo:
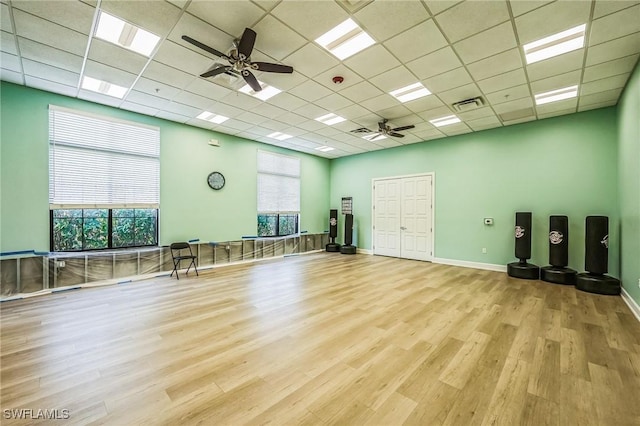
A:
[331, 119]
[374, 137]
[345, 40]
[557, 95]
[279, 136]
[214, 118]
[555, 45]
[103, 87]
[445, 121]
[266, 92]
[117, 31]
[411, 92]
[324, 148]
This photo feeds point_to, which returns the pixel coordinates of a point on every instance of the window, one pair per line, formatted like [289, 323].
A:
[104, 181]
[278, 194]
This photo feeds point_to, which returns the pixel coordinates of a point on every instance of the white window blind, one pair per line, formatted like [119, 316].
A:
[102, 162]
[278, 183]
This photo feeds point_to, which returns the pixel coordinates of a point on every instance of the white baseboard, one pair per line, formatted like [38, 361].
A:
[468, 264]
[363, 251]
[635, 308]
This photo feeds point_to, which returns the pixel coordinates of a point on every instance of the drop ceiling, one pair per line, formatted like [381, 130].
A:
[457, 50]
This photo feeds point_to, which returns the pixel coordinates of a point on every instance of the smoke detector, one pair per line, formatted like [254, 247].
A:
[468, 104]
[338, 79]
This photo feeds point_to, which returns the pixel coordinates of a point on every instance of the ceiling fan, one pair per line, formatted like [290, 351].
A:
[239, 58]
[384, 129]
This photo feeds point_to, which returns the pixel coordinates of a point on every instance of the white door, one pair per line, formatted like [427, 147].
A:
[403, 213]
[386, 217]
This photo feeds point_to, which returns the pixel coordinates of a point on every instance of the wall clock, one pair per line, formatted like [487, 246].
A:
[215, 180]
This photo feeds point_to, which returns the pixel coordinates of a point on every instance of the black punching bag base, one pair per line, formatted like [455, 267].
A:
[600, 284]
[348, 249]
[558, 275]
[333, 247]
[525, 271]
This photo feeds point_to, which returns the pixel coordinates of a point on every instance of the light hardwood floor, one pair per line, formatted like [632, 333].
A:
[325, 339]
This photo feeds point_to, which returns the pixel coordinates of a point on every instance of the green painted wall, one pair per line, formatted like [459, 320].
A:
[629, 182]
[563, 165]
[189, 209]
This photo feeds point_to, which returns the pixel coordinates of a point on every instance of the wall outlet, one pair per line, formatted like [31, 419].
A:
[484, 250]
[638, 282]
[228, 247]
[60, 263]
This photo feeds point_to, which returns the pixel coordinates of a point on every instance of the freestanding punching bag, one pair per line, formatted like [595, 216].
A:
[522, 269]
[333, 231]
[596, 258]
[348, 247]
[558, 272]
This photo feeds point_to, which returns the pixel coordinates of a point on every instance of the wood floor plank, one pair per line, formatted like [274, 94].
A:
[324, 339]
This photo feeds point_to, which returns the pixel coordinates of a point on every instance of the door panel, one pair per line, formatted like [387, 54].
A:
[402, 217]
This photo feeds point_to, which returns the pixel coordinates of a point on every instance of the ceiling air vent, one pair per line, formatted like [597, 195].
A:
[516, 115]
[361, 130]
[468, 104]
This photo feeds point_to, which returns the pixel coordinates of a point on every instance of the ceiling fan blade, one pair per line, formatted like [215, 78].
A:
[251, 80]
[395, 135]
[397, 129]
[269, 67]
[204, 47]
[248, 39]
[215, 71]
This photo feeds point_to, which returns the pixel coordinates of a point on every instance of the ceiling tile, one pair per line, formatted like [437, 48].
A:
[394, 79]
[394, 112]
[519, 7]
[455, 129]
[326, 78]
[408, 120]
[557, 65]
[49, 86]
[361, 91]
[38, 69]
[609, 83]
[503, 81]
[484, 123]
[333, 102]
[556, 113]
[614, 49]
[515, 105]
[283, 82]
[50, 34]
[608, 69]
[327, 131]
[385, 19]
[311, 60]
[255, 119]
[98, 98]
[432, 133]
[197, 29]
[311, 111]
[5, 19]
[438, 6]
[434, 63]
[241, 100]
[207, 88]
[154, 16]
[310, 91]
[380, 102]
[509, 94]
[352, 112]
[266, 4]
[11, 76]
[469, 18]
[423, 104]
[556, 82]
[291, 119]
[474, 114]
[8, 43]
[193, 100]
[606, 7]
[179, 57]
[49, 55]
[553, 107]
[117, 57]
[619, 24]
[311, 125]
[141, 98]
[404, 45]
[227, 110]
[327, 14]
[73, 15]
[165, 74]
[10, 62]
[276, 39]
[372, 61]
[487, 43]
[448, 80]
[600, 97]
[141, 109]
[497, 64]
[182, 109]
[435, 113]
[287, 101]
[231, 17]
[269, 111]
[109, 74]
[551, 19]
[467, 91]
[588, 107]
[156, 88]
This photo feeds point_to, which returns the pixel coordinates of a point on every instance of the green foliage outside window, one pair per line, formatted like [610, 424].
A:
[89, 229]
[272, 225]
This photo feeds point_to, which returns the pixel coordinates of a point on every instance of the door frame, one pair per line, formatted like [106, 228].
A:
[433, 208]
